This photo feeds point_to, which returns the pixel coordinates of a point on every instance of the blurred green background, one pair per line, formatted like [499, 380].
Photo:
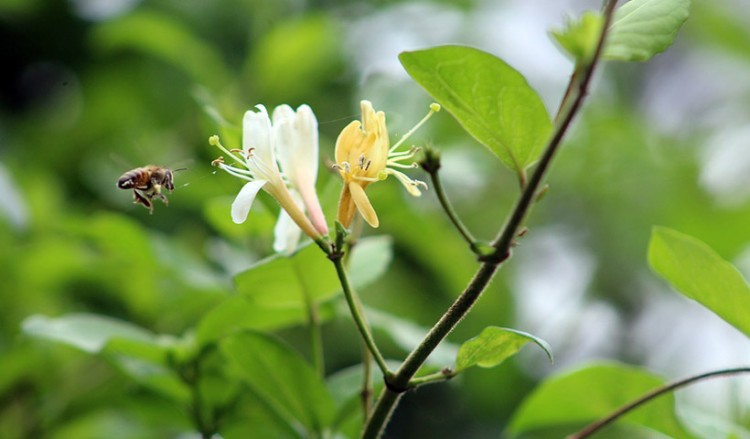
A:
[91, 88]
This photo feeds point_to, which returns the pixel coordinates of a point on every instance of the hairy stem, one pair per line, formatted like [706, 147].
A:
[598, 425]
[399, 381]
[357, 314]
[366, 392]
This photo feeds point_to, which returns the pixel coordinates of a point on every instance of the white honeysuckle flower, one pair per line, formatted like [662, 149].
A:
[298, 133]
[265, 145]
[363, 156]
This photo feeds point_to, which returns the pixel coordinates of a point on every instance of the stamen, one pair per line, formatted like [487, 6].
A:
[214, 141]
[412, 186]
[239, 173]
[362, 161]
[218, 161]
[434, 108]
[248, 153]
[411, 165]
[367, 165]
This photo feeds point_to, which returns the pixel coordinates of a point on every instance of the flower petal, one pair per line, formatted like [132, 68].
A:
[297, 151]
[348, 144]
[243, 202]
[297, 144]
[363, 204]
[286, 233]
[257, 134]
[346, 207]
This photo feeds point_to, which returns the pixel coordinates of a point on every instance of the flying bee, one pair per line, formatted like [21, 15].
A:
[147, 183]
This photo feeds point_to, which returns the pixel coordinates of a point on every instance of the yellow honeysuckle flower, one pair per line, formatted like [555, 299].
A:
[364, 156]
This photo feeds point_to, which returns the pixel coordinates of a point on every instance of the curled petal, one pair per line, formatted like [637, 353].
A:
[363, 204]
[243, 202]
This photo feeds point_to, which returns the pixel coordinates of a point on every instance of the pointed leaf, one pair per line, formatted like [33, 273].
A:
[281, 378]
[239, 313]
[489, 98]
[88, 332]
[642, 28]
[587, 394]
[493, 346]
[698, 272]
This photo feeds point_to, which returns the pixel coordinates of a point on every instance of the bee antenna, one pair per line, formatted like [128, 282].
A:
[179, 169]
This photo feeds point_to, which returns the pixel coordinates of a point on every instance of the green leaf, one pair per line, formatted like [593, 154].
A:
[699, 273]
[281, 281]
[239, 313]
[493, 346]
[281, 378]
[135, 351]
[370, 259]
[489, 98]
[88, 332]
[580, 36]
[134, 361]
[642, 28]
[589, 393]
[345, 386]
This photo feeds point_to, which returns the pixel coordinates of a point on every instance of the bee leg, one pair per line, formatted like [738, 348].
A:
[140, 198]
[163, 198]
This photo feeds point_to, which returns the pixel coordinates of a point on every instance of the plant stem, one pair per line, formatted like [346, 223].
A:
[598, 425]
[190, 375]
[399, 381]
[366, 392]
[443, 375]
[437, 185]
[356, 310]
[313, 324]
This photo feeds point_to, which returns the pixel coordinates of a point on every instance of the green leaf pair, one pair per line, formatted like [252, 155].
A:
[494, 102]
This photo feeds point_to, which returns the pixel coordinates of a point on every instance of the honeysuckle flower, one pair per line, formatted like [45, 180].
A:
[292, 142]
[297, 136]
[364, 156]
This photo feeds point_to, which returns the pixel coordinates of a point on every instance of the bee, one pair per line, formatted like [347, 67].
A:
[147, 183]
